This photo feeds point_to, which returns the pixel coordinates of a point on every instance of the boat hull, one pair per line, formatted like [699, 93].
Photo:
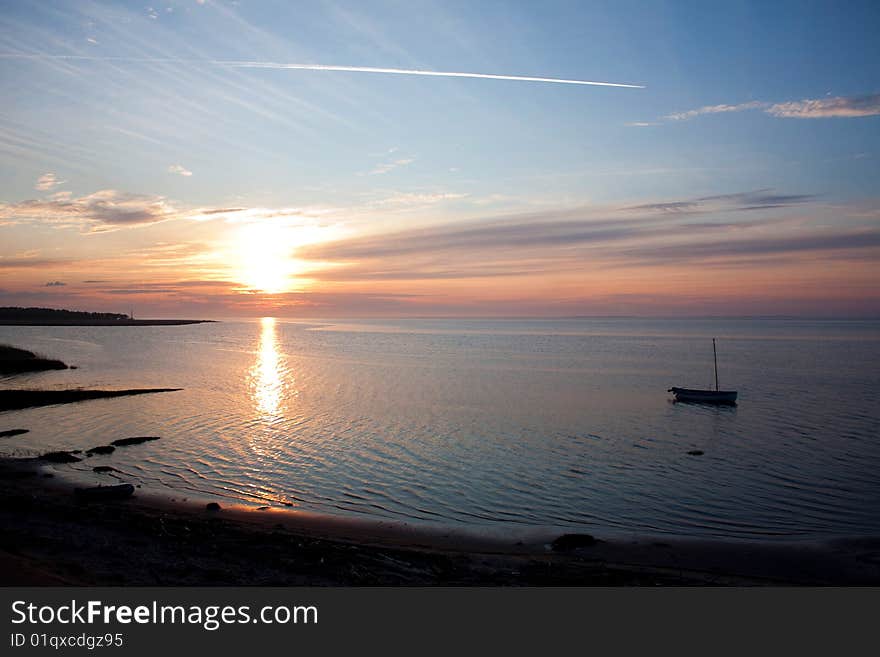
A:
[724, 397]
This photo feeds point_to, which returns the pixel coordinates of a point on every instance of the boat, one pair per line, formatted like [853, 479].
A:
[693, 396]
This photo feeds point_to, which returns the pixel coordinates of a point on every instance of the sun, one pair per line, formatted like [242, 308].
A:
[265, 261]
[263, 253]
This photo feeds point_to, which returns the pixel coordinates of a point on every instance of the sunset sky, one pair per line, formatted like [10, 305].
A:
[189, 159]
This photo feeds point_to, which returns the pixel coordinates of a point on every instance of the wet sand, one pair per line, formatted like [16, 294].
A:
[49, 537]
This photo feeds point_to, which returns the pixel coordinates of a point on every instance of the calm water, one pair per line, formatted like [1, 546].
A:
[487, 424]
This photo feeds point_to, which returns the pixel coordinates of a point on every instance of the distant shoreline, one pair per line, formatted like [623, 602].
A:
[103, 322]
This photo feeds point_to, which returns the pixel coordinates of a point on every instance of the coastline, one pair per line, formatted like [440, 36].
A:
[17, 399]
[52, 538]
[103, 322]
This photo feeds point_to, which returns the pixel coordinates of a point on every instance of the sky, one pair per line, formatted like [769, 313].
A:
[246, 158]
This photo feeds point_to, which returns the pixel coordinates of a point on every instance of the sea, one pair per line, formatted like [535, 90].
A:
[492, 425]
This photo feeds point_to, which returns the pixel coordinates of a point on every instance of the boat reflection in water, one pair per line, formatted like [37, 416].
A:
[267, 377]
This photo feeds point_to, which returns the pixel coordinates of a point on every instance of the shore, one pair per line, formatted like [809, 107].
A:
[16, 399]
[102, 322]
[52, 538]
[20, 361]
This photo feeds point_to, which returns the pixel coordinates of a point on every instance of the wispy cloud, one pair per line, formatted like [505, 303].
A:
[412, 200]
[180, 170]
[840, 107]
[55, 284]
[715, 109]
[820, 108]
[759, 199]
[661, 233]
[391, 166]
[103, 210]
[48, 181]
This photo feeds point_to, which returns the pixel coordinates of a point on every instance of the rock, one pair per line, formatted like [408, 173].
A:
[568, 542]
[134, 440]
[12, 432]
[696, 452]
[60, 457]
[101, 449]
[118, 492]
[212, 506]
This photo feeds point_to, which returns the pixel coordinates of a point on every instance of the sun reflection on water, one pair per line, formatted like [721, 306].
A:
[267, 380]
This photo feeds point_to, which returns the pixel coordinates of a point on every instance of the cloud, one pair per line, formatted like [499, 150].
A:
[48, 181]
[715, 109]
[814, 241]
[822, 108]
[581, 239]
[391, 166]
[412, 200]
[758, 199]
[30, 262]
[180, 170]
[223, 211]
[642, 124]
[55, 284]
[839, 107]
[103, 210]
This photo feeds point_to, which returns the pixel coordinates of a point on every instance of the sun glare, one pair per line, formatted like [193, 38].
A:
[267, 378]
[265, 255]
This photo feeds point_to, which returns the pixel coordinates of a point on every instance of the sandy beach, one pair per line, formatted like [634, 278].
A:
[52, 538]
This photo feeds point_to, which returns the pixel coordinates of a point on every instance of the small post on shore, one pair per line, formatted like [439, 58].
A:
[715, 358]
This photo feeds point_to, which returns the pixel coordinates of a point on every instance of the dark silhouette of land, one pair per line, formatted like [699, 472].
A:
[18, 361]
[17, 399]
[15, 316]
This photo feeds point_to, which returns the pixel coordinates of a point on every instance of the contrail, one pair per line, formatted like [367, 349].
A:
[410, 71]
[321, 67]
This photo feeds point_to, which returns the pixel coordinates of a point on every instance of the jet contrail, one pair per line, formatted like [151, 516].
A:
[410, 71]
[320, 67]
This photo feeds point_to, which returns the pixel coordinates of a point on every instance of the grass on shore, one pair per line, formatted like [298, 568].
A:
[18, 361]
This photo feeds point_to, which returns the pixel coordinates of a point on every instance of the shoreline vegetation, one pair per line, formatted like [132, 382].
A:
[59, 537]
[15, 316]
[21, 361]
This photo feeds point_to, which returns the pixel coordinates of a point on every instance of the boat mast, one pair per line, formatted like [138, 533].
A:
[715, 358]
